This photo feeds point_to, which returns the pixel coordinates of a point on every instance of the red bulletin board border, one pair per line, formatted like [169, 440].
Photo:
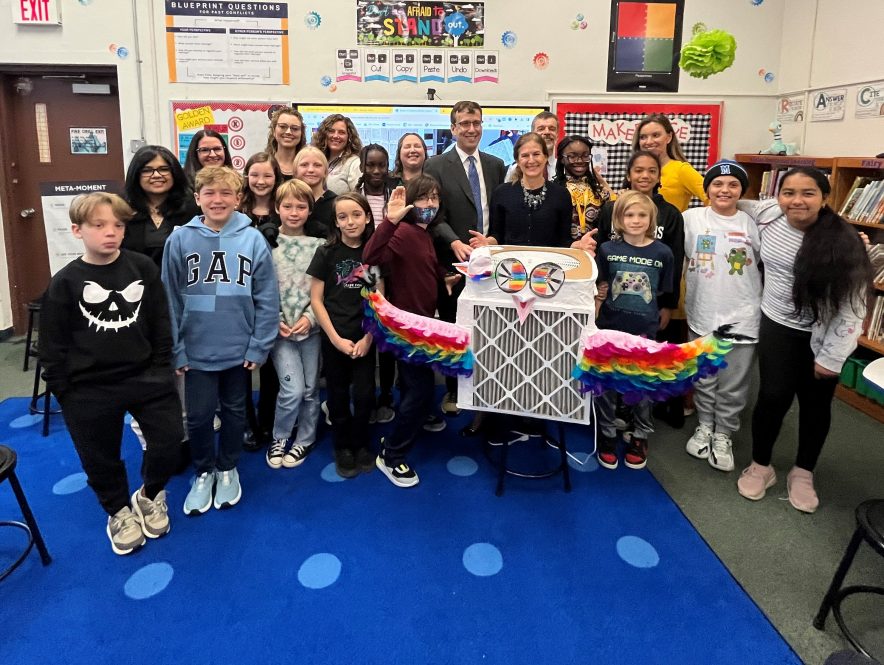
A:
[714, 111]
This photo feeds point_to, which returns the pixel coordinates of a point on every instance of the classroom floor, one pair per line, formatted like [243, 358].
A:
[783, 559]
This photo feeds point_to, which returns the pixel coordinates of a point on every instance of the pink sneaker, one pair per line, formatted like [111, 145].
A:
[755, 480]
[802, 495]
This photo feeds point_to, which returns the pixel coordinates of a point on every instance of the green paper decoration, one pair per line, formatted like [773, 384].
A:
[709, 52]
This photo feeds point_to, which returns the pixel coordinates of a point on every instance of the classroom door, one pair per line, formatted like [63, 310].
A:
[50, 134]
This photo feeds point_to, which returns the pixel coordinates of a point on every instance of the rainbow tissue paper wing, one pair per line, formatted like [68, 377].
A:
[640, 368]
[417, 339]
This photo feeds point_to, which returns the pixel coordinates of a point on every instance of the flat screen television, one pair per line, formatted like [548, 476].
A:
[502, 125]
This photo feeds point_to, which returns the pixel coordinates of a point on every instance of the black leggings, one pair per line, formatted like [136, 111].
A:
[785, 364]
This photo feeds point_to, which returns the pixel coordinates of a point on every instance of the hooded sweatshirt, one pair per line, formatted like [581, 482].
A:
[223, 294]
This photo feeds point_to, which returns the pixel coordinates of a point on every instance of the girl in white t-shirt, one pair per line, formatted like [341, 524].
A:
[722, 286]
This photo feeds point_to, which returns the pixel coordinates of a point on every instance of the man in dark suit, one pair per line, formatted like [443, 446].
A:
[467, 178]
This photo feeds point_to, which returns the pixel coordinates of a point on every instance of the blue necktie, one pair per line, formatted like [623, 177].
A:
[473, 174]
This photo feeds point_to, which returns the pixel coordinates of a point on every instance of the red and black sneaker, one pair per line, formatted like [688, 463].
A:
[636, 456]
[606, 452]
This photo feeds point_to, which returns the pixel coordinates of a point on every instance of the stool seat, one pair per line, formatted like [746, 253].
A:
[8, 460]
[869, 528]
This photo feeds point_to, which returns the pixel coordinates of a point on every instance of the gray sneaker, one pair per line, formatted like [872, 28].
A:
[153, 515]
[124, 531]
[227, 489]
[385, 414]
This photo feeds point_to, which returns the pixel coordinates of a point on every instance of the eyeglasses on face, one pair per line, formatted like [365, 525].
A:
[217, 150]
[285, 129]
[466, 124]
[148, 171]
[575, 159]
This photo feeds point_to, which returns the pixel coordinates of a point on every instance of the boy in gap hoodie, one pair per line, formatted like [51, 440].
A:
[224, 306]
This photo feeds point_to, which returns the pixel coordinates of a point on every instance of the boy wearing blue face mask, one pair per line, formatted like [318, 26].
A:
[404, 250]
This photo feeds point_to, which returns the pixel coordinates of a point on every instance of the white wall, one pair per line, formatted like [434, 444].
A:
[577, 67]
[833, 43]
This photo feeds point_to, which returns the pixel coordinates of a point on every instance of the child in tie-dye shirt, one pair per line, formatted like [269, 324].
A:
[296, 350]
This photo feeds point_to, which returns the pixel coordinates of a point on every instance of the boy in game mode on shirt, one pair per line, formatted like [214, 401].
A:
[224, 303]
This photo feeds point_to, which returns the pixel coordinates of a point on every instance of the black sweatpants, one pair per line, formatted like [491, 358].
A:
[94, 416]
[350, 429]
[785, 365]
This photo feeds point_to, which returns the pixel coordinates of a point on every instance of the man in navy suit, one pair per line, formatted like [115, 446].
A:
[467, 177]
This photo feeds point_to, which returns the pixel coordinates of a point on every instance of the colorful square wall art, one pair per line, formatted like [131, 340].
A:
[644, 45]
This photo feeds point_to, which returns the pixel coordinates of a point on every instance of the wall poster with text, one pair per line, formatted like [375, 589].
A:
[420, 23]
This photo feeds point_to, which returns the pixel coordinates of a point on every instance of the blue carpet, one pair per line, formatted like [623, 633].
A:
[311, 568]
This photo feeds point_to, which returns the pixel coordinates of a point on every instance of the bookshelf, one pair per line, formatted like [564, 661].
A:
[843, 173]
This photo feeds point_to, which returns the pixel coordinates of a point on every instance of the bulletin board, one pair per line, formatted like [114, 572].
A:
[611, 127]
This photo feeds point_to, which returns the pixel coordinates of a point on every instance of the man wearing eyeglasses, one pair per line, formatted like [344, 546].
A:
[467, 178]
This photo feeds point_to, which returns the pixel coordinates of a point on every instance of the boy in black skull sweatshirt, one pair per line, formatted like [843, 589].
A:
[105, 345]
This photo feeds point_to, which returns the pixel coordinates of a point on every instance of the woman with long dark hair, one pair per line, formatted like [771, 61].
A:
[339, 141]
[816, 280]
[160, 195]
[679, 181]
[411, 155]
[207, 148]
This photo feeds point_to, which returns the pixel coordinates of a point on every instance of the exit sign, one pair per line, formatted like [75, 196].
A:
[36, 12]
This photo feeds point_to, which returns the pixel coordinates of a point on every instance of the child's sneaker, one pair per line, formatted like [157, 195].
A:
[199, 498]
[345, 463]
[153, 515]
[636, 456]
[324, 408]
[606, 452]
[228, 491]
[124, 531]
[276, 452]
[434, 423]
[802, 495]
[698, 445]
[384, 414]
[755, 480]
[296, 455]
[721, 455]
[449, 405]
[400, 475]
[365, 460]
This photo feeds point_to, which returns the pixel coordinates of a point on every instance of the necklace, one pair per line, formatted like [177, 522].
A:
[155, 216]
[532, 200]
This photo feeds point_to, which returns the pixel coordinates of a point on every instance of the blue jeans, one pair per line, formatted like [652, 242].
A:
[204, 390]
[417, 385]
[297, 366]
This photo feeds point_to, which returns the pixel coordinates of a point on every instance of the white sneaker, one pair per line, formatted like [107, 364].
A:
[698, 445]
[324, 408]
[721, 456]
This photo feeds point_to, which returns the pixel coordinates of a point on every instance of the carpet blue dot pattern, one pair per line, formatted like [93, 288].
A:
[444, 572]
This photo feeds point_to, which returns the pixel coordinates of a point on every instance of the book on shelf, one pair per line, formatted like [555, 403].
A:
[875, 331]
[770, 182]
[864, 203]
[876, 256]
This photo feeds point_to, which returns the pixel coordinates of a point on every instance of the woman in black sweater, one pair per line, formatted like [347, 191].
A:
[160, 195]
[530, 210]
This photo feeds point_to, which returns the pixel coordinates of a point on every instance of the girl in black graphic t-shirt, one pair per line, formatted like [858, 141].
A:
[347, 352]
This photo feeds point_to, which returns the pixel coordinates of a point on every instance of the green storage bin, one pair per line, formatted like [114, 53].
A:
[850, 372]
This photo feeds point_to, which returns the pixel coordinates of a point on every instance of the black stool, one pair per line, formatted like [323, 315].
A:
[544, 439]
[29, 526]
[33, 314]
[36, 395]
[869, 527]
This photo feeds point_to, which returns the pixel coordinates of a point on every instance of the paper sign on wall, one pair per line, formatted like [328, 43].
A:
[88, 140]
[790, 109]
[460, 67]
[432, 67]
[486, 68]
[349, 65]
[377, 65]
[405, 67]
[827, 104]
[870, 101]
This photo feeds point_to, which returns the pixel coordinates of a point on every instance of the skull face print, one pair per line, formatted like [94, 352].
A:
[107, 309]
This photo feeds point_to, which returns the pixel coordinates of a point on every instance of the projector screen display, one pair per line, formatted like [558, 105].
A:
[502, 125]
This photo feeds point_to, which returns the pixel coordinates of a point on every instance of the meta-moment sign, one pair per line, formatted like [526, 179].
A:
[414, 23]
